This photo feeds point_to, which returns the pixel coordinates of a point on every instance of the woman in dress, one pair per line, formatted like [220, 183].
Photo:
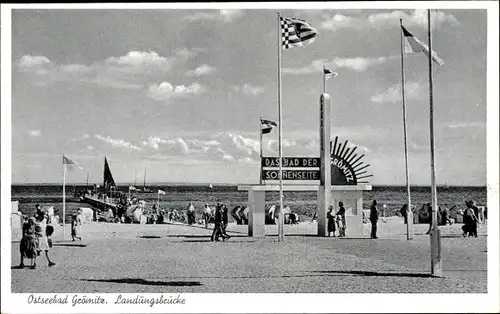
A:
[29, 243]
[331, 220]
[43, 244]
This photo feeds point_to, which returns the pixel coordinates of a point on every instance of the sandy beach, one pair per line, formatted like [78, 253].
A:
[180, 258]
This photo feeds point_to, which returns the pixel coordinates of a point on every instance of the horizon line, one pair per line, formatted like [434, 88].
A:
[225, 183]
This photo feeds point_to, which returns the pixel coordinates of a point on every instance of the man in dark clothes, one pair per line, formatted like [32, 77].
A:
[374, 219]
[218, 222]
[429, 213]
[225, 220]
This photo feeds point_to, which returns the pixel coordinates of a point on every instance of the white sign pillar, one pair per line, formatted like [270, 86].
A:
[324, 192]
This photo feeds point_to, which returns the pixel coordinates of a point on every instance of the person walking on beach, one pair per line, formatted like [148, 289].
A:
[225, 220]
[404, 213]
[74, 228]
[29, 243]
[207, 213]
[374, 219]
[331, 221]
[190, 213]
[43, 244]
[217, 223]
[470, 220]
[341, 219]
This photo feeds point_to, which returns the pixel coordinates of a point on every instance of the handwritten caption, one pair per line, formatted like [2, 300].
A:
[76, 300]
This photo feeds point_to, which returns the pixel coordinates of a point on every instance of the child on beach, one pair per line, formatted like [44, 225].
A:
[74, 228]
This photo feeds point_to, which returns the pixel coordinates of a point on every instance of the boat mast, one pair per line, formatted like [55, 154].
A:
[145, 177]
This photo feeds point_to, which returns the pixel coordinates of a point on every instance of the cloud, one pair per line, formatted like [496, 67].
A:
[34, 133]
[130, 71]
[27, 62]
[358, 64]
[230, 15]
[116, 142]
[461, 125]
[227, 157]
[204, 69]
[81, 138]
[413, 90]
[223, 15]
[166, 91]
[246, 145]
[381, 20]
[248, 89]
[90, 147]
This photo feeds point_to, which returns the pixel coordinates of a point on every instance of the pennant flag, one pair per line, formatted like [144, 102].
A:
[296, 33]
[267, 126]
[413, 45]
[132, 188]
[210, 186]
[71, 163]
[329, 74]
[161, 192]
[108, 177]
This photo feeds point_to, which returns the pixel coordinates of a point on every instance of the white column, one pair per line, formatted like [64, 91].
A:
[256, 213]
[324, 191]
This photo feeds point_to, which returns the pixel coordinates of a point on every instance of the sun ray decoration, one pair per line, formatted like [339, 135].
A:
[348, 167]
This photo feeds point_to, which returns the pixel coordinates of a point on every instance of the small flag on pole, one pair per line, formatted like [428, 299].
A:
[161, 192]
[296, 33]
[329, 74]
[71, 163]
[267, 126]
[413, 45]
[132, 188]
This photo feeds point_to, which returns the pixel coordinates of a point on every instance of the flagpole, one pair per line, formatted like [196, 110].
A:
[408, 210]
[280, 135]
[260, 160]
[324, 80]
[436, 266]
[64, 201]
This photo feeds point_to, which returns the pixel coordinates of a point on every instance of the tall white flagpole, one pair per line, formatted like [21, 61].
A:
[64, 201]
[436, 265]
[260, 160]
[409, 220]
[281, 237]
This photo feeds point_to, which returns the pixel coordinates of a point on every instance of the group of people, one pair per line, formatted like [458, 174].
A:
[335, 220]
[36, 233]
[471, 219]
[220, 222]
[338, 219]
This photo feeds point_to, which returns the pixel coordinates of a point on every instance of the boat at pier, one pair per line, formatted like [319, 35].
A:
[107, 199]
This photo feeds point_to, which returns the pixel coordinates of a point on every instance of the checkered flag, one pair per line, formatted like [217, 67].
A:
[296, 33]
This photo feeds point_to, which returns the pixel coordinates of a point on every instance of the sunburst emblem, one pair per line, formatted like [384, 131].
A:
[347, 167]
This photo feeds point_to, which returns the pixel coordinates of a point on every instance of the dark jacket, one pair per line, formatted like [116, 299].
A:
[218, 214]
[373, 214]
[225, 218]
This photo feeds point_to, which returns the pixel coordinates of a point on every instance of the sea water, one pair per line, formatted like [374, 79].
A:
[303, 203]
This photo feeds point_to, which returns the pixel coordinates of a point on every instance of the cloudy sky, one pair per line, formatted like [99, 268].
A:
[181, 92]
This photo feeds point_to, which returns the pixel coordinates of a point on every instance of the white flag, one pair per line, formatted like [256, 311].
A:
[161, 192]
[132, 188]
[68, 162]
